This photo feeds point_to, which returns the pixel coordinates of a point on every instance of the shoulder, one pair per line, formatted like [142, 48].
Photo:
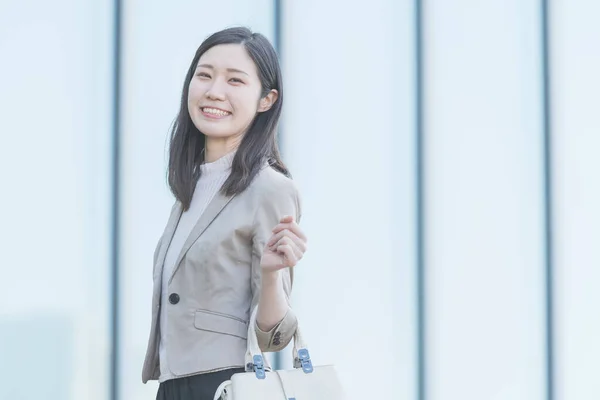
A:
[270, 182]
[271, 187]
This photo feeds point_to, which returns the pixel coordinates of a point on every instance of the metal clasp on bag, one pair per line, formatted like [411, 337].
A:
[259, 367]
[303, 361]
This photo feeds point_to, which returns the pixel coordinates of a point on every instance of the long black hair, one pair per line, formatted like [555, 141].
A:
[259, 143]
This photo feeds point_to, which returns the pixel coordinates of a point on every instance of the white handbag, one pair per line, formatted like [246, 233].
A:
[304, 382]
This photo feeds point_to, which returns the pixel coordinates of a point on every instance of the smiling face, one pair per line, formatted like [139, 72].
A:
[224, 93]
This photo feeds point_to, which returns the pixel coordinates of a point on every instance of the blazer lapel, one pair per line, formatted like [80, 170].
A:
[169, 232]
[213, 209]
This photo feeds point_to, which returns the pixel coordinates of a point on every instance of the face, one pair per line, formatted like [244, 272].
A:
[224, 93]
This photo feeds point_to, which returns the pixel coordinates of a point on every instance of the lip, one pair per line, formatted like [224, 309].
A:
[212, 116]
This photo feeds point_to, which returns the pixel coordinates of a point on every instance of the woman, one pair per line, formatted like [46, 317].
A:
[232, 236]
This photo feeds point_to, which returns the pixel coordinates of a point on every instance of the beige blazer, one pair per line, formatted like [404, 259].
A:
[217, 279]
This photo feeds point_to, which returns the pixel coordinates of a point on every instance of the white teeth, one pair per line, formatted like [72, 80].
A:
[215, 111]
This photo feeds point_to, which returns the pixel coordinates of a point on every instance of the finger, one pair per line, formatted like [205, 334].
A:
[292, 226]
[289, 258]
[279, 241]
[287, 219]
[285, 241]
[301, 244]
[287, 233]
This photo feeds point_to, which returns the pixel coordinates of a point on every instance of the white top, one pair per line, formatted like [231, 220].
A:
[212, 177]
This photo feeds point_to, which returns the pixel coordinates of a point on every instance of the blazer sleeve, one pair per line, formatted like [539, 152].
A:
[274, 203]
[156, 250]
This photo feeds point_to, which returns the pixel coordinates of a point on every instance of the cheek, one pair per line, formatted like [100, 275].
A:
[191, 90]
[248, 103]
[195, 91]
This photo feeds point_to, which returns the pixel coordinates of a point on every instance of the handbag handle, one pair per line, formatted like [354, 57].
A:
[255, 360]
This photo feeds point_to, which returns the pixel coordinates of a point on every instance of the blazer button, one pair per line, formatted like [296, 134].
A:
[278, 335]
[174, 298]
[276, 342]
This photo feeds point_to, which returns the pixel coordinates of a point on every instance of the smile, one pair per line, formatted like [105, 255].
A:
[214, 112]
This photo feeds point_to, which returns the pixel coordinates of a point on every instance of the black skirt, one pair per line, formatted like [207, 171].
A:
[195, 387]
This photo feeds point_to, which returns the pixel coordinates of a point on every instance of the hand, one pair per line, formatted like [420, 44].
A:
[285, 247]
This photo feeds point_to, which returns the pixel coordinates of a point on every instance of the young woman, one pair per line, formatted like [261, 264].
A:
[232, 236]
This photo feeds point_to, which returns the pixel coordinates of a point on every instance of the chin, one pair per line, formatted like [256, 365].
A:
[214, 132]
[216, 135]
[211, 129]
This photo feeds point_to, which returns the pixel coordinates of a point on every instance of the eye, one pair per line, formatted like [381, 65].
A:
[236, 80]
[203, 75]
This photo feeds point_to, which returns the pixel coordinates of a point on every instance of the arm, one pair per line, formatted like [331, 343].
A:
[273, 304]
[274, 255]
[275, 322]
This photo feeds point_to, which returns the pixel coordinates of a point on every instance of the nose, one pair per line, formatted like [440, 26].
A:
[215, 92]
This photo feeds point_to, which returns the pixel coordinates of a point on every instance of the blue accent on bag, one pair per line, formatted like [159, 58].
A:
[259, 367]
[305, 361]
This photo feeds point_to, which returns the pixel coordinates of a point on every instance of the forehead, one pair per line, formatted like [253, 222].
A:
[226, 56]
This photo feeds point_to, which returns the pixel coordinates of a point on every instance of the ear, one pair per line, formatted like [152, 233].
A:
[267, 102]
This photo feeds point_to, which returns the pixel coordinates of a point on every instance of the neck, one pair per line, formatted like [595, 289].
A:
[217, 148]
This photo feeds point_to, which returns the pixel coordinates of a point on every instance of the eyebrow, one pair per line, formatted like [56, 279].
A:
[228, 69]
